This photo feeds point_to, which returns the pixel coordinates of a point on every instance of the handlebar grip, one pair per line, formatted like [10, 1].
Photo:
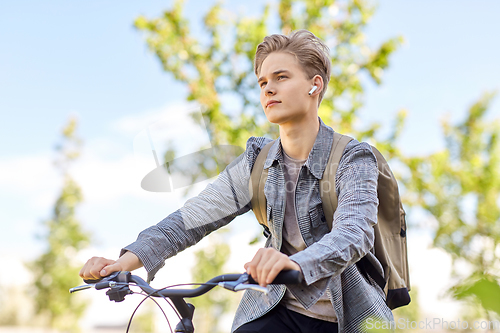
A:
[111, 277]
[288, 277]
[284, 277]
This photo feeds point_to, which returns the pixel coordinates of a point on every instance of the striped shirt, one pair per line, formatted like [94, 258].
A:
[328, 262]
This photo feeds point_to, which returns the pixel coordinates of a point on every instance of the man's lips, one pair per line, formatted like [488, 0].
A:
[271, 103]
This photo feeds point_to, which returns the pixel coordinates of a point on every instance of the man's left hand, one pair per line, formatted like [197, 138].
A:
[267, 263]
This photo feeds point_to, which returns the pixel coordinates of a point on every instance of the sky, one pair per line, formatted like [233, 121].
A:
[63, 58]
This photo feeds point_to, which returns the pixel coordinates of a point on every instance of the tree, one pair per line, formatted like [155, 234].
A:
[55, 271]
[144, 320]
[460, 187]
[480, 289]
[220, 66]
[210, 262]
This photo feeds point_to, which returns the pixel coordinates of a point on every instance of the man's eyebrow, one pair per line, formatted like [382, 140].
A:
[275, 73]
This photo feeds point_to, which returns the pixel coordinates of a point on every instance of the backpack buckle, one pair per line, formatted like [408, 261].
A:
[266, 231]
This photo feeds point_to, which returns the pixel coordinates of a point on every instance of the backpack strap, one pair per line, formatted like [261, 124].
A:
[329, 197]
[257, 182]
[327, 183]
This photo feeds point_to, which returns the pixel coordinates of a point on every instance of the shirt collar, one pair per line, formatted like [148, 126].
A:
[318, 157]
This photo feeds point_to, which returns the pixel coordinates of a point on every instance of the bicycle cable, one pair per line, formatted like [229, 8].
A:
[137, 308]
[150, 296]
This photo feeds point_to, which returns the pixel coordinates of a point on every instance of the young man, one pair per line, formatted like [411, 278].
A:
[293, 73]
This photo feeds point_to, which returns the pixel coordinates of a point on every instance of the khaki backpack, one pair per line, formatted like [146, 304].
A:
[390, 231]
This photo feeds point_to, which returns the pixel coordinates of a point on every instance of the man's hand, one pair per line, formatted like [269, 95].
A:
[267, 263]
[98, 267]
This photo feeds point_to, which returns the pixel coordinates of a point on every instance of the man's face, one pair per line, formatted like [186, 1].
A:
[284, 89]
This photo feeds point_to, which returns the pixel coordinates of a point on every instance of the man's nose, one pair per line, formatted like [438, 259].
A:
[270, 90]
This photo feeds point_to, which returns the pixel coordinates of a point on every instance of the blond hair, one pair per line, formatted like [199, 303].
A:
[311, 53]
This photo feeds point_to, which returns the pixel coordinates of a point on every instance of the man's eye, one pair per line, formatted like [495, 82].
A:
[263, 84]
[281, 77]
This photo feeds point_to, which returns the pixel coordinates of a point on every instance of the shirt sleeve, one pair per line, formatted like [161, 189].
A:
[217, 205]
[352, 234]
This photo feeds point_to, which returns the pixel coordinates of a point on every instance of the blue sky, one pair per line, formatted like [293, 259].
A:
[59, 58]
[62, 57]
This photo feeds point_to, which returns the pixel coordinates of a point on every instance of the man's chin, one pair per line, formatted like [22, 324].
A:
[275, 121]
[274, 118]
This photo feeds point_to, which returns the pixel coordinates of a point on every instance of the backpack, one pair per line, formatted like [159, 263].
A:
[390, 231]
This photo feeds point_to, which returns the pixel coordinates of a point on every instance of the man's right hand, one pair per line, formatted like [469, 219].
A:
[98, 267]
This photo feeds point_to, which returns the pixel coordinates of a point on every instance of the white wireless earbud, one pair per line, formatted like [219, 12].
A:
[312, 90]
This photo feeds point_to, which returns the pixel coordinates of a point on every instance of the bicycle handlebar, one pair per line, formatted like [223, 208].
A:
[187, 293]
[119, 283]
[232, 282]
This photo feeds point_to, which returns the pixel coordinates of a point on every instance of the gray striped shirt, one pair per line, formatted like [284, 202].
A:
[330, 257]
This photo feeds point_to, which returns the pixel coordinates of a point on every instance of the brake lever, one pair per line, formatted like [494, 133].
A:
[243, 283]
[92, 283]
[79, 288]
[264, 290]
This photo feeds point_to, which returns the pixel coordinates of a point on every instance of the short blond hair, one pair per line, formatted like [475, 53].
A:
[310, 51]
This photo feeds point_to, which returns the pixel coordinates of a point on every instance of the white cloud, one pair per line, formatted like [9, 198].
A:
[108, 172]
[173, 123]
[14, 272]
[113, 167]
[107, 180]
[132, 124]
[173, 127]
[33, 176]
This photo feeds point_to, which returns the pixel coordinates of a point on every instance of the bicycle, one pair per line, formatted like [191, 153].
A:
[119, 283]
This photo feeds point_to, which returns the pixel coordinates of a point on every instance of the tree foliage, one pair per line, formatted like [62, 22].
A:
[55, 271]
[460, 187]
[483, 289]
[210, 307]
[218, 67]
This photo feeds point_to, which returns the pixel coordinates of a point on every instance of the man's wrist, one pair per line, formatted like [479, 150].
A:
[129, 261]
[297, 267]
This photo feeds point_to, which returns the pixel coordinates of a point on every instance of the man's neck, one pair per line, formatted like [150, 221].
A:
[298, 139]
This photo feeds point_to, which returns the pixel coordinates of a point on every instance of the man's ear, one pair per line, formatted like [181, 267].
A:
[317, 81]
